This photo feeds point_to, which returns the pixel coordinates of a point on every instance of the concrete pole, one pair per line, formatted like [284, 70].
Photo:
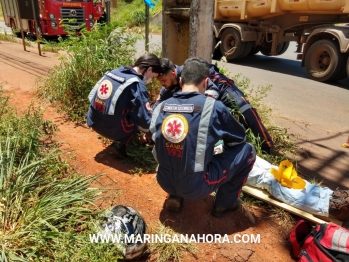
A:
[175, 30]
[201, 28]
[187, 29]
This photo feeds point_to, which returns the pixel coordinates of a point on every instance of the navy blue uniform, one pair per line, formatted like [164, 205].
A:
[219, 87]
[119, 105]
[228, 90]
[185, 129]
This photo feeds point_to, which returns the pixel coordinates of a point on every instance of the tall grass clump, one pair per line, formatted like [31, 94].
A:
[132, 13]
[86, 58]
[283, 145]
[1, 14]
[46, 209]
[163, 252]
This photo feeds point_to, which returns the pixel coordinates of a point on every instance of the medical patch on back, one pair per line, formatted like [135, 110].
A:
[105, 89]
[115, 77]
[175, 128]
[179, 108]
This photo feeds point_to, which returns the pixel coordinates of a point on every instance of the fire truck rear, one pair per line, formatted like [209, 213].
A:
[53, 17]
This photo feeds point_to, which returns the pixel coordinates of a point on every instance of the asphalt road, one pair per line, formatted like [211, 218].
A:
[4, 28]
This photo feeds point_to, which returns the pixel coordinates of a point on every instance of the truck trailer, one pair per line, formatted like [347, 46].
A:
[51, 16]
[246, 27]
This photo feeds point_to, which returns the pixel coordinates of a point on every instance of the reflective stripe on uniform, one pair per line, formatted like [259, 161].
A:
[118, 92]
[212, 93]
[153, 121]
[202, 135]
[94, 90]
[244, 108]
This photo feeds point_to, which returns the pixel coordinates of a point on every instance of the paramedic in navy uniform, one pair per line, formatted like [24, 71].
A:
[119, 105]
[219, 87]
[185, 129]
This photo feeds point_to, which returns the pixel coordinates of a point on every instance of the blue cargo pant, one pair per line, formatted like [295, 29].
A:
[225, 175]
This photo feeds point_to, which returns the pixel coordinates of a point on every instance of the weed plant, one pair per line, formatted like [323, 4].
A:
[12, 38]
[46, 209]
[173, 251]
[1, 14]
[87, 57]
[132, 13]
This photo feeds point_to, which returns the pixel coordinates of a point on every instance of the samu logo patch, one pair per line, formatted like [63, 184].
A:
[105, 89]
[175, 128]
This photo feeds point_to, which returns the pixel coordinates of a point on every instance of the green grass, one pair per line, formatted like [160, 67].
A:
[87, 58]
[4, 36]
[1, 14]
[132, 13]
[163, 252]
[47, 209]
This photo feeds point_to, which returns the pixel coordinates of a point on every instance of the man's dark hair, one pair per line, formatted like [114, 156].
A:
[149, 60]
[166, 65]
[195, 69]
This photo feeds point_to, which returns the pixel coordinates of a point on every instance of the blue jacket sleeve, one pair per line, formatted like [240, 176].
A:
[142, 106]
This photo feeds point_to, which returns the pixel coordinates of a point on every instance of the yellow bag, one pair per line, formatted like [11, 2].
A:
[288, 176]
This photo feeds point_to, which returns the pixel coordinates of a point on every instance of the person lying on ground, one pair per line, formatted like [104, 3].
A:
[312, 198]
[119, 102]
[222, 88]
[185, 129]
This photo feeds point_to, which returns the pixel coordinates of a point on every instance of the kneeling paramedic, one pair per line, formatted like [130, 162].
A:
[219, 87]
[119, 102]
[185, 129]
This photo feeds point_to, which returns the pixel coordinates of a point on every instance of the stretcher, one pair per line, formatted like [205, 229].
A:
[265, 196]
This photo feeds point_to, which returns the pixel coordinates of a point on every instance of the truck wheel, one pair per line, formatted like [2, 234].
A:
[323, 61]
[247, 50]
[280, 49]
[283, 48]
[216, 51]
[231, 44]
[254, 50]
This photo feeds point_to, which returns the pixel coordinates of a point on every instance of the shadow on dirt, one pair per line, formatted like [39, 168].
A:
[108, 158]
[195, 218]
[331, 168]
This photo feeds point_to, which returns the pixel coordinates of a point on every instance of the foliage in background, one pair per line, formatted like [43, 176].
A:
[4, 36]
[46, 209]
[87, 57]
[1, 14]
[132, 13]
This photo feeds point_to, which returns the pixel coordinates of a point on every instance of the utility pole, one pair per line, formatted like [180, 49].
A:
[187, 29]
[38, 35]
[107, 6]
[146, 28]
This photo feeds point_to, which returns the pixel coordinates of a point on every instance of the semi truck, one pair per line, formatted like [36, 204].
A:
[245, 27]
[51, 16]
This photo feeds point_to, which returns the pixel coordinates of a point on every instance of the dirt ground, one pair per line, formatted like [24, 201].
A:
[86, 153]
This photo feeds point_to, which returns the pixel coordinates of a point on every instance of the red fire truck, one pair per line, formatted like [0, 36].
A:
[53, 17]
